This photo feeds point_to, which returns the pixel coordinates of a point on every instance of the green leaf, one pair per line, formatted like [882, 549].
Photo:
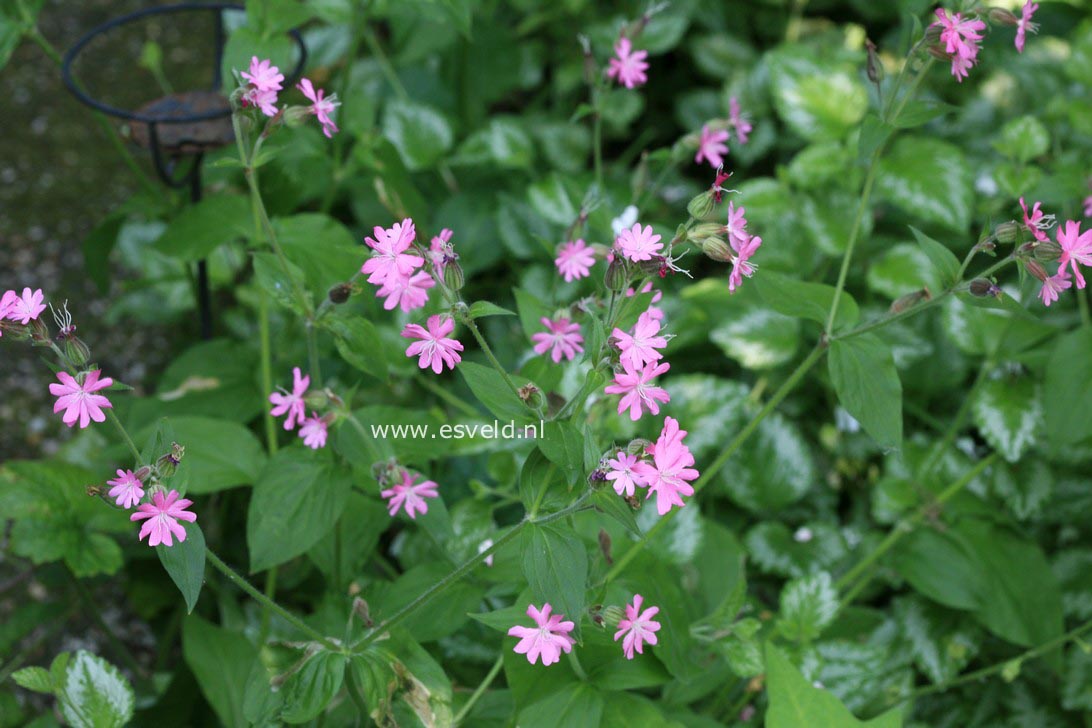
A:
[536, 479]
[944, 261]
[808, 606]
[902, 269]
[439, 618]
[212, 379]
[874, 134]
[98, 245]
[37, 679]
[502, 144]
[800, 299]
[94, 693]
[298, 497]
[928, 179]
[775, 470]
[420, 133]
[1067, 396]
[221, 661]
[577, 705]
[555, 564]
[481, 309]
[610, 503]
[201, 228]
[939, 642]
[775, 549]
[920, 111]
[219, 454]
[310, 689]
[795, 702]
[185, 563]
[494, 393]
[280, 280]
[321, 247]
[941, 567]
[563, 444]
[550, 199]
[1008, 412]
[359, 343]
[1077, 688]
[1023, 139]
[758, 338]
[818, 100]
[864, 377]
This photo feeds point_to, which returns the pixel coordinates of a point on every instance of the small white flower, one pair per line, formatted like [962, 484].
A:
[625, 220]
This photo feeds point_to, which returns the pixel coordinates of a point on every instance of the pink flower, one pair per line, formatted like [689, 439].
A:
[313, 430]
[737, 224]
[960, 35]
[718, 191]
[390, 258]
[1024, 25]
[740, 266]
[320, 107]
[633, 384]
[654, 313]
[1076, 248]
[127, 490]
[7, 302]
[738, 122]
[263, 75]
[291, 404]
[637, 627]
[434, 349]
[641, 347]
[440, 250]
[574, 260]
[163, 514]
[407, 293]
[626, 66]
[409, 495]
[485, 546]
[25, 308]
[266, 101]
[621, 472]
[1036, 221]
[637, 243]
[711, 146]
[1054, 285]
[547, 638]
[562, 337]
[961, 67]
[78, 399]
[669, 471]
[1088, 206]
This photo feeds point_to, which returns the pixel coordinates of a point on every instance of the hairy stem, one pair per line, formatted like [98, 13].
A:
[473, 326]
[479, 691]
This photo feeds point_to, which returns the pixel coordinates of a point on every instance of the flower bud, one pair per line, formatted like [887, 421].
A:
[701, 206]
[142, 473]
[613, 615]
[1002, 17]
[453, 275]
[340, 293]
[653, 266]
[617, 276]
[76, 351]
[168, 463]
[531, 396]
[1048, 251]
[910, 300]
[460, 311]
[873, 67]
[294, 116]
[1007, 232]
[717, 249]
[1036, 269]
[604, 546]
[982, 288]
[39, 332]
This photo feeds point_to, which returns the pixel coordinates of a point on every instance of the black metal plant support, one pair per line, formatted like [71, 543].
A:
[178, 128]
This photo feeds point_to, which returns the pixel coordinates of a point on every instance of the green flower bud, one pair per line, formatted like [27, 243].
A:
[76, 351]
[701, 206]
[717, 249]
[981, 288]
[1048, 251]
[453, 275]
[1007, 232]
[617, 276]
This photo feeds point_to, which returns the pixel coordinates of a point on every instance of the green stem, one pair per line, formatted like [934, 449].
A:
[465, 568]
[265, 344]
[236, 579]
[270, 594]
[470, 324]
[906, 526]
[124, 435]
[384, 63]
[452, 399]
[992, 670]
[709, 472]
[479, 691]
[854, 233]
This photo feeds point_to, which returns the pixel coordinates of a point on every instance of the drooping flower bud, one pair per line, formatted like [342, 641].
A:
[1007, 232]
[1036, 269]
[617, 276]
[294, 116]
[1048, 251]
[613, 615]
[76, 351]
[453, 275]
[142, 473]
[701, 206]
[340, 293]
[910, 300]
[167, 464]
[531, 396]
[1002, 17]
[982, 288]
[873, 67]
[717, 249]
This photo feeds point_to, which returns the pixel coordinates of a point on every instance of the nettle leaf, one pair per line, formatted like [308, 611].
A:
[808, 606]
[928, 179]
[1023, 139]
[758, 338]
[221, 660]
[37, 679]
[1067, 395]
[185, 563]
[94, 693]
[848, 669]
[939, 641]
[827, 219]
[867, 383]
[817, 100]
[1008, 412]
[1025, 487]
[420, 133]
[795, 702]
[310, 689]
[712, 408]
[297, 499]
[322, 248]
[555, 564]
[201, 228]
[944, 261]
[774, 470]
[775, 549]
[800, 299]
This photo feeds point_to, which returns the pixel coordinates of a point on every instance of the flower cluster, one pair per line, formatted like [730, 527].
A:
[1071, 250]
[402, 491]
[959, 36]
[263, 84]
[293, 406]
[550, 635]
[712, 141]
[664, 467]
[165, 508]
